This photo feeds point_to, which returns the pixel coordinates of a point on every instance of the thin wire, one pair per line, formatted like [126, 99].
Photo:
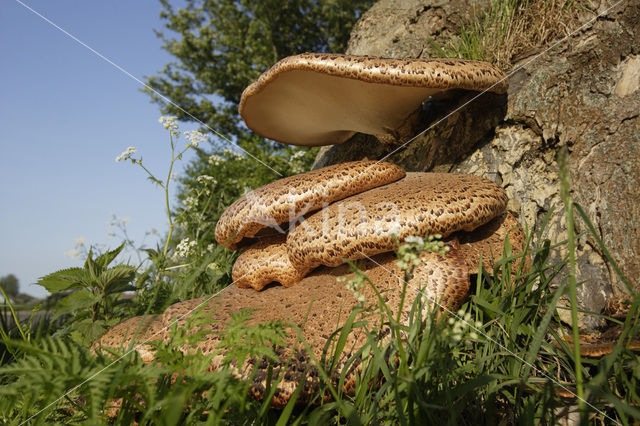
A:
[259, 161]
[145, 85]
[519, 358]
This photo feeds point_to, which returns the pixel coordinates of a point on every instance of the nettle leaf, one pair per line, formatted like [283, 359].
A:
[117, 279]
[87, 330]
[76, 301]
[65, 279]
[106, 258]
[90, 265]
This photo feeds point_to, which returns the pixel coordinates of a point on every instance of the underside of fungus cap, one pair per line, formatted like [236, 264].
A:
[374, 221]
[264, 262]
[285, 200]
[323, 99]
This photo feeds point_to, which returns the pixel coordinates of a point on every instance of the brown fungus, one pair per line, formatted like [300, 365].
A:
[264, 262]
[318, 306]
[372, 222]
[285, 200]
[323, 99]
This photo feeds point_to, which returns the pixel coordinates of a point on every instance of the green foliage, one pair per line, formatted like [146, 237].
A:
[94, 299]
[10, 285]
[507, 29]
[221, 46]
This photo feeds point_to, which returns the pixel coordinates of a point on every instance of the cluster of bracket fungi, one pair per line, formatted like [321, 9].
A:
[296, 233]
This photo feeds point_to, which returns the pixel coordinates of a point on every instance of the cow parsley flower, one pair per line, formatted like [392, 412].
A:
[215, 160]
[409, 253]
[185, 248]
[194, 137]
[204, 179]
[126, 155]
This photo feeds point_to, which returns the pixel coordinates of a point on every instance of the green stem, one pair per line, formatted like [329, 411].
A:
[139, 163]
[166, 197]
[13, 313]
[568, 204]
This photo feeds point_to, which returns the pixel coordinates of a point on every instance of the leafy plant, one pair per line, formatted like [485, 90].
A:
[94, 290]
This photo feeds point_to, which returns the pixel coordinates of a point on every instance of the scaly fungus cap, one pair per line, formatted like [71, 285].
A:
[371, 222]
[487, 243]
[323, 99]
[286, 199]
[320, 304]
[120, 337]
[264, 262]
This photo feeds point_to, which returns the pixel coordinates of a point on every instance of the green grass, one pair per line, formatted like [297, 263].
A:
[499, 360]
[510, 29]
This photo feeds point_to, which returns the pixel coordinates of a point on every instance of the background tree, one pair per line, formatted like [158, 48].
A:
[220, 47]
[10, 285]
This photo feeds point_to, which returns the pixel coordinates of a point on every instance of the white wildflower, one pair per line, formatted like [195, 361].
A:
[231, 155]
[169, 122]
[185, 248]
[125, 220]
[413, 239]
[215, 160]
[204, 179]
[210, 248]
[355, 285]
[72, 253]
[125, 155]
[194, 137]
[80, 241]
[190, 202]
[297, 155]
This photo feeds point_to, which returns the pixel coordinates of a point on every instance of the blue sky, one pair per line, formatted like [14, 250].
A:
[65, 114]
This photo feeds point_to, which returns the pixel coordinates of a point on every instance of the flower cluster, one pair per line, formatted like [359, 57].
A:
[409, 253]
[190, 202]
[297, 161]
[206, 179]
[215, 160]
[461, 328]
[126, 155]
[231, 155]
[355, 284]
[195, 137]
[170, 122]
[185, 248]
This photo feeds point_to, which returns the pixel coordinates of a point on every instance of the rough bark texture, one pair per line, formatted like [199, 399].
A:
[584, 93]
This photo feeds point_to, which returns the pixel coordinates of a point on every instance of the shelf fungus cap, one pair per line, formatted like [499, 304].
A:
[487, 242]
[121, 337]
[285, 200]
[372, 222]
[317, 305]
[323, 99]
[264, 262]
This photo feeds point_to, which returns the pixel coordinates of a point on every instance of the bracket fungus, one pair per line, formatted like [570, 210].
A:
[315, 307]
[323, 99]
[372, 222]
[351, 211]
[264, 262]
[287, 199]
